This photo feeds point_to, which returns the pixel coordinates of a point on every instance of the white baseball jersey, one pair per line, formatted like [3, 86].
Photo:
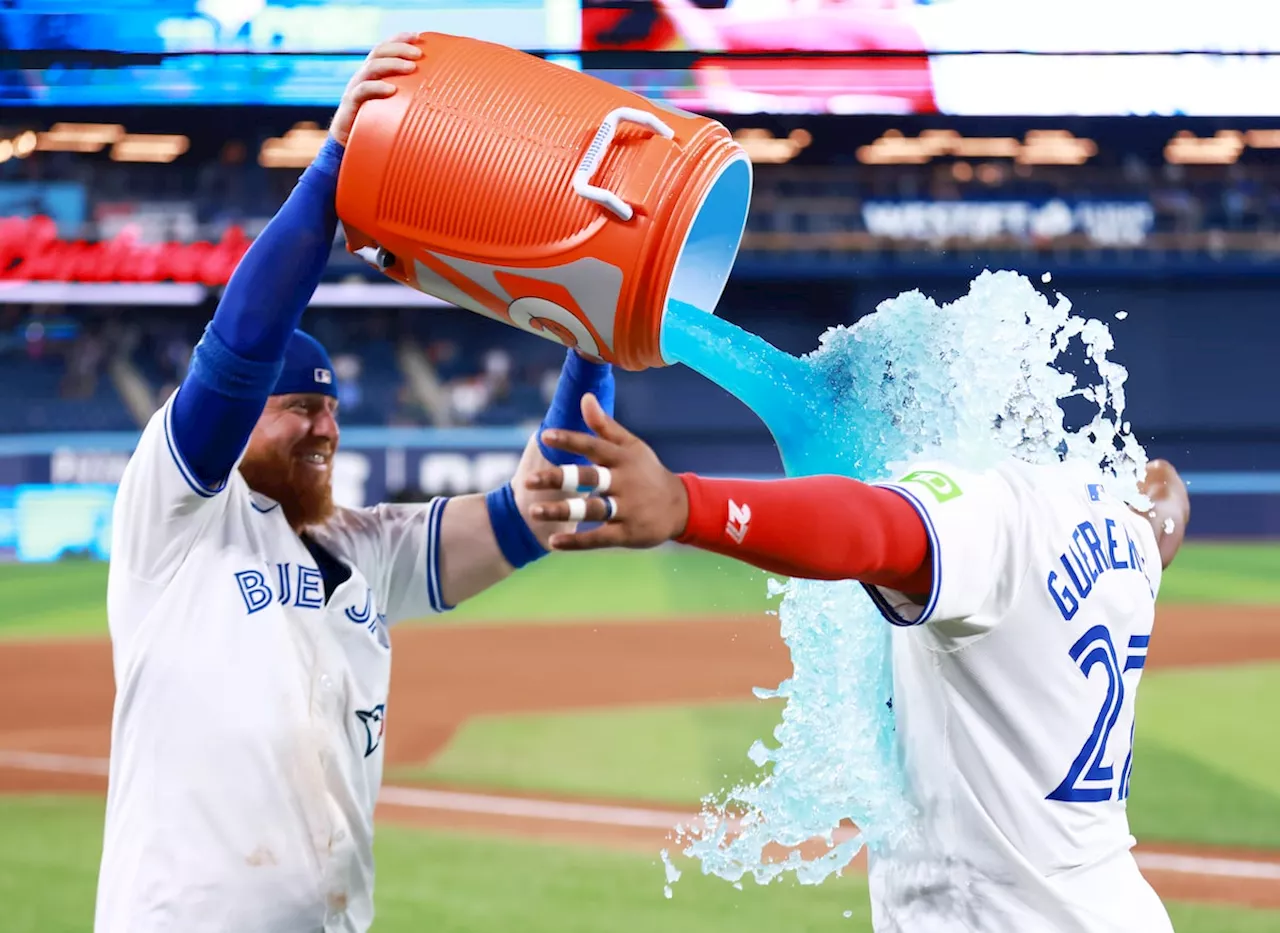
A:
[1014, 692]
[247, 734]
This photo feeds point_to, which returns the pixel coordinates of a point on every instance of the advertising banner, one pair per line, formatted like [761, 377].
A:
[1105, 223]
[56, 502]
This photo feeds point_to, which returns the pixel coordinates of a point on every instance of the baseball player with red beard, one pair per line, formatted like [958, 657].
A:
[249, 616]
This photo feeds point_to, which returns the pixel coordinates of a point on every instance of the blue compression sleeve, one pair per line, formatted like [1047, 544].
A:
[236, 363]
[519, 545]
[578, 376]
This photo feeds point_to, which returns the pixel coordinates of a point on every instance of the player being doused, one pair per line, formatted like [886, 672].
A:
[1022, 600]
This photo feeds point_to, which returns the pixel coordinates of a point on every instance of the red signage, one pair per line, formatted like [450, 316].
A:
[31, 251]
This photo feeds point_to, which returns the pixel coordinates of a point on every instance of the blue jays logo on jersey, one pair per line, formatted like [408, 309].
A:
[374, 725]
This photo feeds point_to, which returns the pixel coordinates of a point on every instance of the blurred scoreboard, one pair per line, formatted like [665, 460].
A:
[292, 52]
[958, 57]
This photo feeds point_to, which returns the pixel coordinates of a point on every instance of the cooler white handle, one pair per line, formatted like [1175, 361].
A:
[595, 152]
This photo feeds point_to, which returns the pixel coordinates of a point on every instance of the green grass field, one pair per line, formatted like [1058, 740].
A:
[659, 754]
[446, 884]
[1240, 574]
[67, 599]
[1207, 766]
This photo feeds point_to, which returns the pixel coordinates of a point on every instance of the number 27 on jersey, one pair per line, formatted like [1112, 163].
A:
[1089, 779]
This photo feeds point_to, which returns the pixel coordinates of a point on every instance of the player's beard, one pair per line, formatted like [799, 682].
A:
[305, 495]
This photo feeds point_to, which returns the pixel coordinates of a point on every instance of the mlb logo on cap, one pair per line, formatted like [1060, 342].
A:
[307, 369]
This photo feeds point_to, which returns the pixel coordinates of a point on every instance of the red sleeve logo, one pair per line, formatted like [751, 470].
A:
[739, 518]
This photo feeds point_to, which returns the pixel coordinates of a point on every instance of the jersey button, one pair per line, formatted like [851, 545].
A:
[326, 683]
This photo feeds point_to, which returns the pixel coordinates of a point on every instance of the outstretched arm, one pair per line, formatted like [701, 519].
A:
[452, 549]
[822, 527]
[238, 359]
[175, 477]
[492, 535]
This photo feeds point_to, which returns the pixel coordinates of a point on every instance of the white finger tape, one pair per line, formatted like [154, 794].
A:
[602, 484]
[610, 508]
[577, 509]
[569, 478]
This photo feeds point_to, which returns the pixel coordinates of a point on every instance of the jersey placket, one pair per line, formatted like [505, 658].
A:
[330, 705]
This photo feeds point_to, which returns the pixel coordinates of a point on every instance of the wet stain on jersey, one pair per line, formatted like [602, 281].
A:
[259, 857]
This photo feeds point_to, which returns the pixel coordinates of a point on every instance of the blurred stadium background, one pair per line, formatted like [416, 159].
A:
[1133, 156]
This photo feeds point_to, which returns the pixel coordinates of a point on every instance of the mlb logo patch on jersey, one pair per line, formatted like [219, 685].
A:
[323, 376]
[1095, 492]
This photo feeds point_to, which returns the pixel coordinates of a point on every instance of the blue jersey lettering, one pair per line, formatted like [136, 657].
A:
[1067, 603]
[253, 589]
[304, 585]
[282, 570]
[310, 588]
[1095, 546]
[1117, 561]
[1083, 582]
[1086, 558]
[361, 616]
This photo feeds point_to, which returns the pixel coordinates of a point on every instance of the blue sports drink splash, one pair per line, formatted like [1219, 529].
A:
[969, 383]
[792, 397]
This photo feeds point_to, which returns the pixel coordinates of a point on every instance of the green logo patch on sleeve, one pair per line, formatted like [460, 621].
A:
[942, 487]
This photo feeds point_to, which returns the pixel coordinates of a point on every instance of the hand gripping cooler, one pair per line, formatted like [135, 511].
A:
[544, 198]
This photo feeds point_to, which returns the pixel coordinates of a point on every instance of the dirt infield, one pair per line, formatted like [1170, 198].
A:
[56, 698]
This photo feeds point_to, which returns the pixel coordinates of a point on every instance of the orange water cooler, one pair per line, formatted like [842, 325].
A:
[544, 198]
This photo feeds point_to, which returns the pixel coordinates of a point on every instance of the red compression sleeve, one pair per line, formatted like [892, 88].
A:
[819, 527]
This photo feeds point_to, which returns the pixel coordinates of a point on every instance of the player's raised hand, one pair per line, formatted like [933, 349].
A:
[1170, 507]
[640, 501]
[397, 56]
